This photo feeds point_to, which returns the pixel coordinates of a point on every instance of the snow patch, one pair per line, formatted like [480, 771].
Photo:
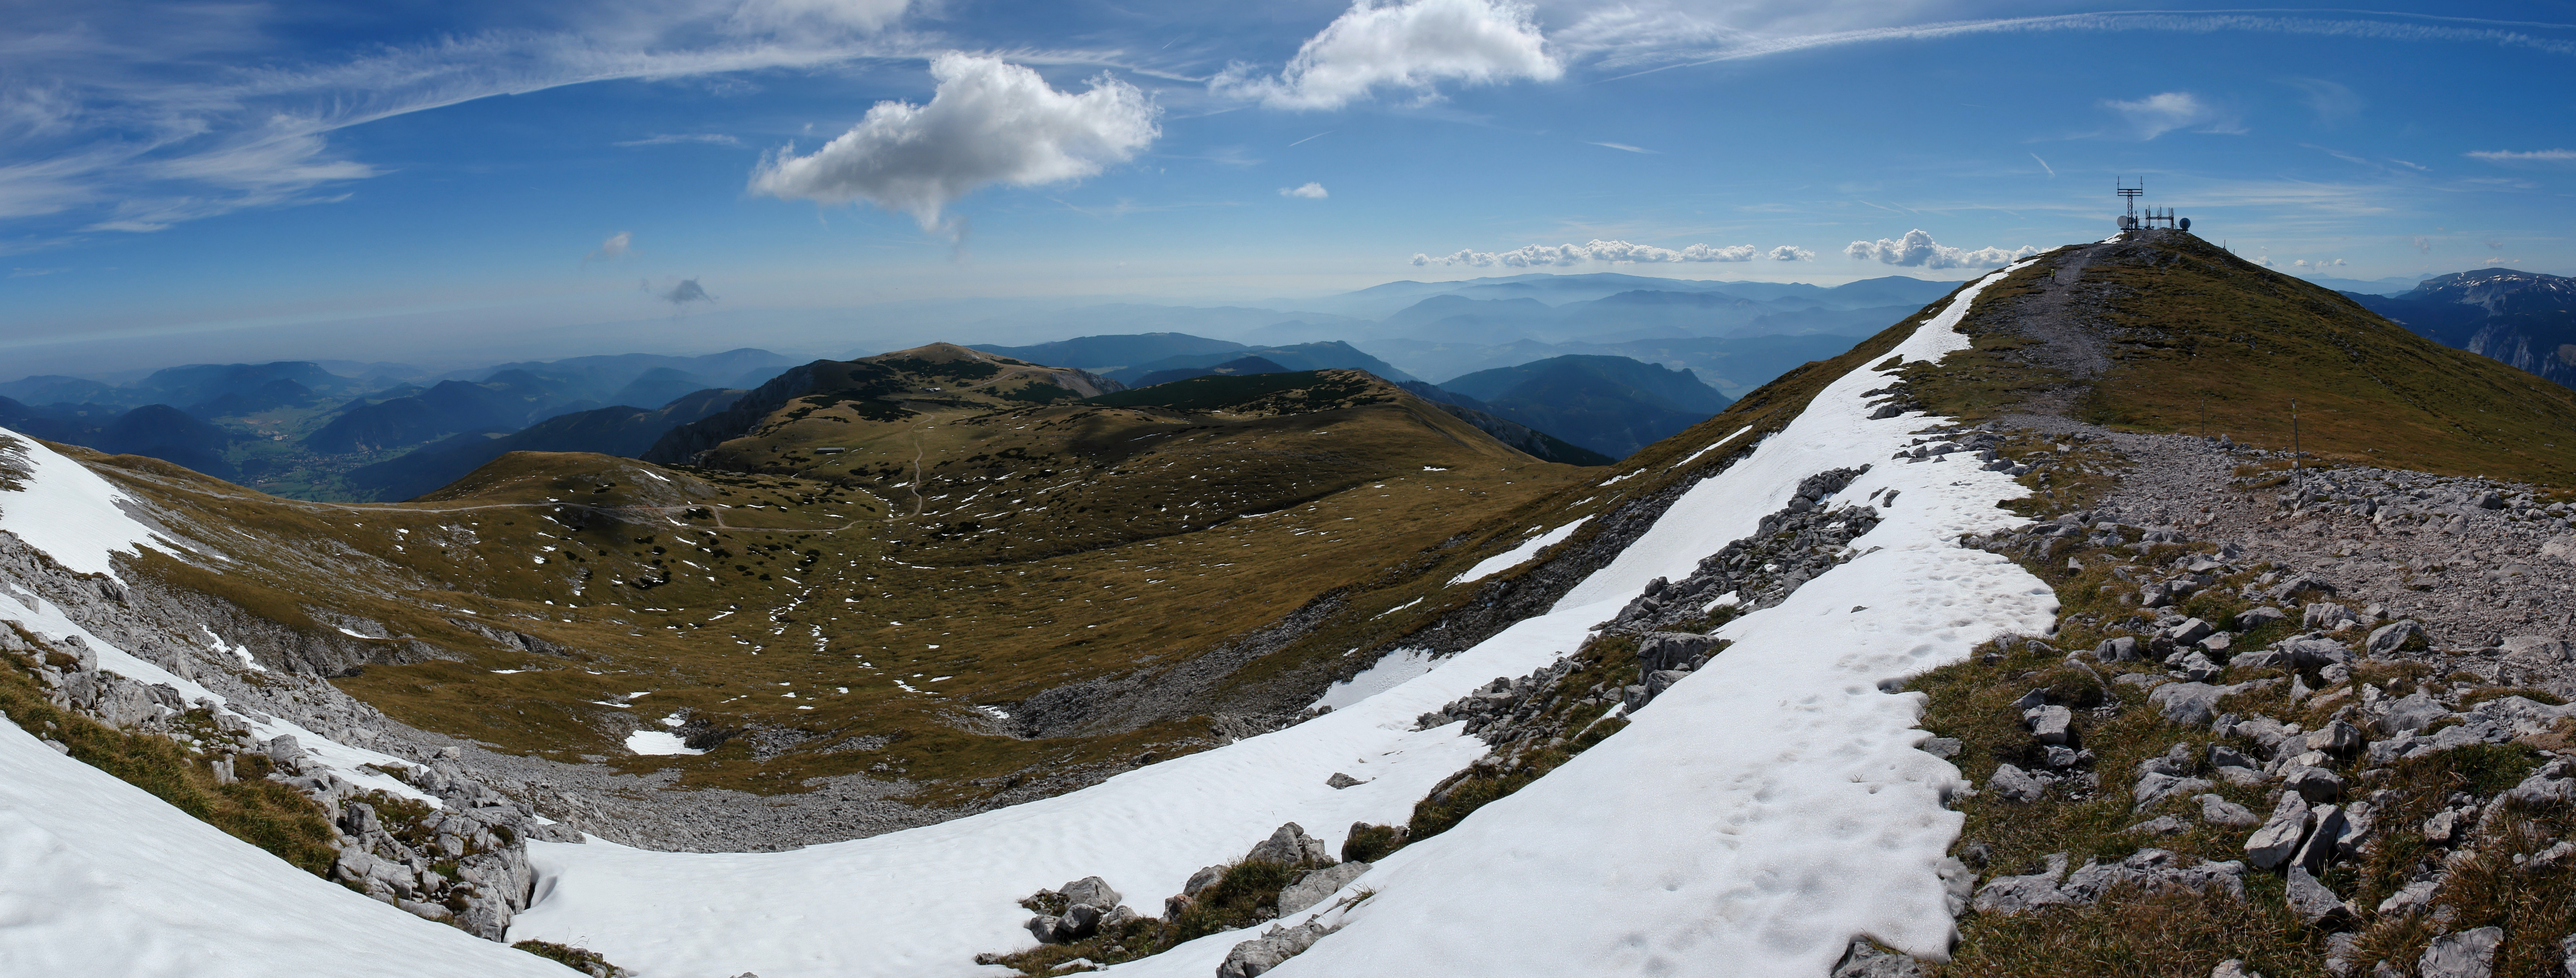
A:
[1397, 668]
[107, 880]
[1519, 555]
[658, 741]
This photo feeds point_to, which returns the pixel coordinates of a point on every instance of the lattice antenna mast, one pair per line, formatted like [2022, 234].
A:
[2130, 195]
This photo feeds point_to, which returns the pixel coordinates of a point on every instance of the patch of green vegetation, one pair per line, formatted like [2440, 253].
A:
[1370, 843]
[1287, 393]
[1245, 896]
[1040, 392]
[263, 813]
[579, 959]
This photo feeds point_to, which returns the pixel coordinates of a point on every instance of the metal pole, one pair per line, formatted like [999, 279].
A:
[2294, 432]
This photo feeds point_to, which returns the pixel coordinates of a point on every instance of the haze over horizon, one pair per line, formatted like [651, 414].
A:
[479, 182]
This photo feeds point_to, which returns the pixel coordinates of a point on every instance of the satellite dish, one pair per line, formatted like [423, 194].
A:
[2186, 224]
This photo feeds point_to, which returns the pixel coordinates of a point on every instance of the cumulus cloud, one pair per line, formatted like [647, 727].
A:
[1917, 249]
[1311, 191]
[679, 294]
[2542, 157]
[1542, 256]
[2319, 264]
[614, 248]
[988, 122]
[2156, 115]
[1405, 45]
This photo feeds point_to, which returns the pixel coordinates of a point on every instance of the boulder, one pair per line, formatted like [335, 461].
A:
[2050, 724]
[2120, 649]
[2300, 583]
[2009, 895]
[1317, 884]
[2328, 826]
[2393, 636]
[1047, 928]
[1092, 891]
[2279, 838]
[2533, 650]
[2312, 901]
[2338, 738]
[2220, 811]
[2190, 631]
[2254, 618]
[2311, 652]
[2159, 825]
[2410, 714]
[1260, 954]
[1291, 845]
[2153, 789]
[2316, 784]
[2015, 784]
[1865, 959]
[1657, 651]
[2198, 668]
[2153, 869]
[1339, 781]
[2560, 548]
[2325, 616]
[2192, 704]
[2232, 968]
[2467, 954]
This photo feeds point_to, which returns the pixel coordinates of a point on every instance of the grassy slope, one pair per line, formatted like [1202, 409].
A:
[816, 583]
[2209, 341]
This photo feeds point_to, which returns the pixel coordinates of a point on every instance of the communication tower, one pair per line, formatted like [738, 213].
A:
[2131, 220]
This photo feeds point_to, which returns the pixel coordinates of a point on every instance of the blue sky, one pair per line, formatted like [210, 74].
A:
[424, 181]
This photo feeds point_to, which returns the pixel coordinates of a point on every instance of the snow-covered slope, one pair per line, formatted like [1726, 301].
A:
[81, 521]
[1751, 822]
[65, 510]
[99, 878]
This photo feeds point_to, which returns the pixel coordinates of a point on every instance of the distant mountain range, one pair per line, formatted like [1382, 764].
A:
[1609, 404]
[2524, 319]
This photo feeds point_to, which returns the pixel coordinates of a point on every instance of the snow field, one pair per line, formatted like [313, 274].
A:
[1768, 808]
[67, 511]
[1751, 821]
[1519, 555]
[104, 879]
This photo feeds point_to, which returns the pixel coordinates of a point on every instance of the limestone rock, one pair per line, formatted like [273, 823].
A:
[1260, 954]
[2280, 835]
[2219, 811]
[2018, 894]
[2015, 784]
[1291, 845]
[1317, 884]
[2467, 954]
[2312, 901]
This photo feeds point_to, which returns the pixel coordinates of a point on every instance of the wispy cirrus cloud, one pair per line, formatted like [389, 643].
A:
[670, 139]
[125, 116]
[1615, 252]
[2536, 157]
[1640, 37]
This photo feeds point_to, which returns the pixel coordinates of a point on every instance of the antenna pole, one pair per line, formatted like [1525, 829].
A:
[2294, 432]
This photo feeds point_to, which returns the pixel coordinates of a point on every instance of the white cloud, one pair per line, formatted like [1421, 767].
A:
[1625, 147]
[1406, 45]
[614, 248]
[2508, 157]
[2332, 101]
[1311, 191]
[989, 122]
[1917, 249]
[666, 139]
[815, 17]
[2156, 115]
[1542, 256]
